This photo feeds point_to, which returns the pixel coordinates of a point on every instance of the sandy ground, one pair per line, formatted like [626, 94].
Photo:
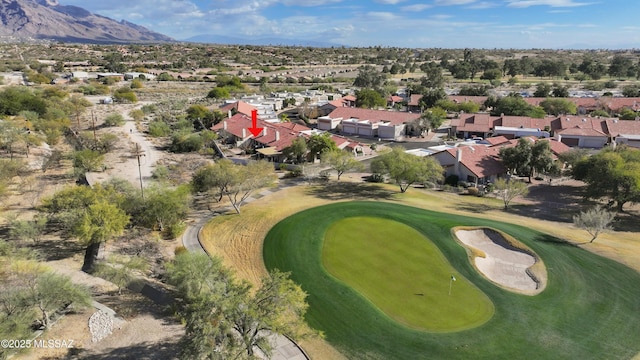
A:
[503, 266]
[124, 164]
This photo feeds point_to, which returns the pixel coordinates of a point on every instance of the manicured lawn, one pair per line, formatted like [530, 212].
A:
[403, 273]
[589, 310]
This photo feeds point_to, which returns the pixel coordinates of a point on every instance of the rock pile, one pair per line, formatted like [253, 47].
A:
[100, 325]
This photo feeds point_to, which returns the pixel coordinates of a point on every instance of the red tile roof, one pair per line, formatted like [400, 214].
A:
[394, 117]
[481, 161]
[414, 100]
[582, 126]
[496, 140]
[622, 127]
[240, 106]
[459, 99]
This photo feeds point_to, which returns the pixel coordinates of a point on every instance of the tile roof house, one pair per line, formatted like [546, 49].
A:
[366, 122]
[577, 131]
[478, 165]
[624, 132]
[274, 137]
[582, 132]
[239, 107]
[413, 105]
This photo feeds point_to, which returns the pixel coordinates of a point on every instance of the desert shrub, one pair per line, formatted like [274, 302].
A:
[175, 230]
[114, 120]
[179, 250]
[184, 141]
[136, 84]
[451, 180]
[161, 172]
[159, 129]
[149, 109]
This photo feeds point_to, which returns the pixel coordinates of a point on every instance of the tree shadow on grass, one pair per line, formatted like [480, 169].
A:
[350, 191]
[545, 238]
[626, 221]
[562, 214]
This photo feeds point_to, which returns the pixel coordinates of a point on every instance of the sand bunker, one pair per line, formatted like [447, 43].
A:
[503, 263]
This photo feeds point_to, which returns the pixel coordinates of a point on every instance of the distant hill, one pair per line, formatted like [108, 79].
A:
[229, 40]
[47, 19]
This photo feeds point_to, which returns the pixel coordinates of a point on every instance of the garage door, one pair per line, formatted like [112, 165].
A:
[570, 142]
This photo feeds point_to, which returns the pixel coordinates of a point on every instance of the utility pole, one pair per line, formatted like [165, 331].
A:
[138, 153]
[93, 125]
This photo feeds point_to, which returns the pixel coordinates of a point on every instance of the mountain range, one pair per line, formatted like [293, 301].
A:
[48, 20]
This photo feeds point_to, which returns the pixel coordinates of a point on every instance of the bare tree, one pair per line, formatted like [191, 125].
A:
[509, 189]
[595, 221]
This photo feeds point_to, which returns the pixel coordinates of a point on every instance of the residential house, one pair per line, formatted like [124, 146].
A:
[475, 164]
[582, 132]
[624, 132]
[413, 105]
[366, 122]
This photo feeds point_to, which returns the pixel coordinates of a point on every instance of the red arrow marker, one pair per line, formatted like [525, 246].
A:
[254, 122]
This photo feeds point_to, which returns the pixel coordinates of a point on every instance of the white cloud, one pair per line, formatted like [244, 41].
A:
[415, 8]
[389, 2]
[308, 2]
[483, 5]
[441, 17]
[382, 15]
[552, 3]
[453, 2]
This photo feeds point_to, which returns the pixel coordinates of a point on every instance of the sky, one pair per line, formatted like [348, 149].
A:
[518, 24]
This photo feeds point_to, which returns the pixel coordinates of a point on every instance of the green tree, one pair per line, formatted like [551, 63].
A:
[223, 318]
[433, 77]
[341, 161]
[319, 143]
[297, 150]
[542, 90]
[405, 169]
[517, 159]
[163, 208]
[612, 174]
[595, 221]
[278, 306]
[431, 96]
[248, 178]
[98, 223]
[53, 292]
[514, 106]
[79, 104]
[218, 176]
[510, 189]
[370, 99]
[87, 160]
[620, 67]
[542, 161]
[557, 106]
[370, 77]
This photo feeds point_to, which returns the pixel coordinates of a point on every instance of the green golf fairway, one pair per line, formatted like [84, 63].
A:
[590, 308]
[403, 273]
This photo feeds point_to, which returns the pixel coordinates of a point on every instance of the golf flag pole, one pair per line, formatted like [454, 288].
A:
[453, 278]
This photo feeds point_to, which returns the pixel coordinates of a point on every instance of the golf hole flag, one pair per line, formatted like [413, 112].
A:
[453, 278]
